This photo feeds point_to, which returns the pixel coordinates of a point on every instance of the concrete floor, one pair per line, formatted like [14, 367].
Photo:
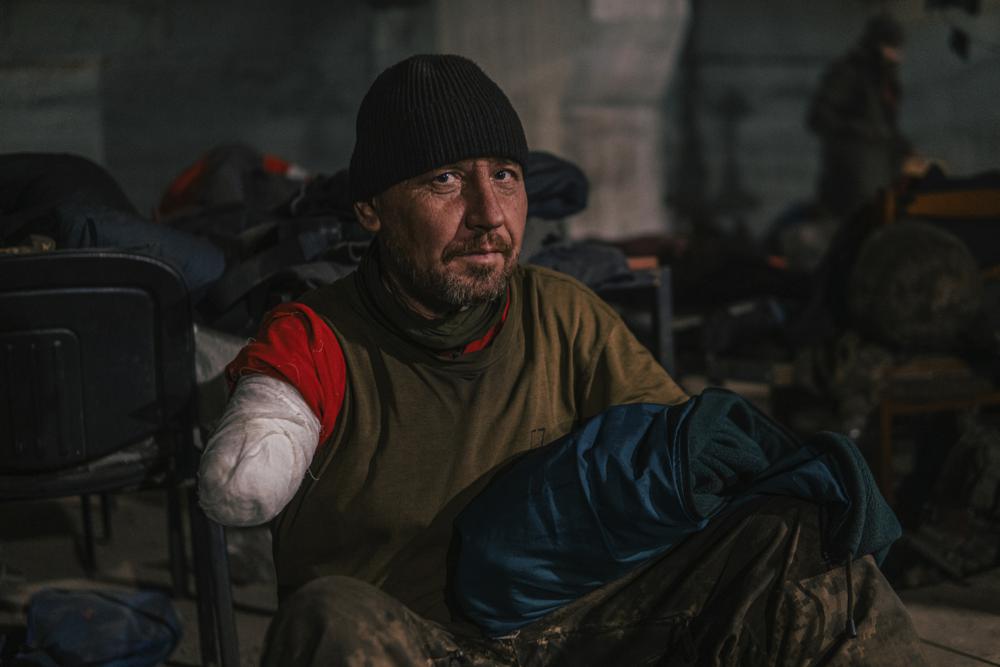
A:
[959, 623]
[38, 547]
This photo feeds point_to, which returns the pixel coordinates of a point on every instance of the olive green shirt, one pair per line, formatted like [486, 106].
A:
[417, 427]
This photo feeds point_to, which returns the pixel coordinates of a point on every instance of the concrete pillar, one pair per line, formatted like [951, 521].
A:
[588, 82]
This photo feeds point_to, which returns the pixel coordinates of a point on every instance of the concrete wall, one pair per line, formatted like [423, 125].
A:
[770, 56]
[145, 86]
[588, 79]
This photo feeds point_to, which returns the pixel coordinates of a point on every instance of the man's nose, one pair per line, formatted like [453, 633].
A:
[484, 207]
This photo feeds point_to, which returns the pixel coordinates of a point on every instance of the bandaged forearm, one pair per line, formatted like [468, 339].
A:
[260, 451]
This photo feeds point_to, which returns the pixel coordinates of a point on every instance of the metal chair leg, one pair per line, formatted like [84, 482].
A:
[224, 615]
[216, 620]
[175, 541]
[89, 553]
[663, 322]
[105, 517]
[204, 594]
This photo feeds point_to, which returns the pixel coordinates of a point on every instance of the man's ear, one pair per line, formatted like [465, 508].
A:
[367, 216]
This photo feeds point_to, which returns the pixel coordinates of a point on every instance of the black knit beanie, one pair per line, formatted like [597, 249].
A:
[425, 112]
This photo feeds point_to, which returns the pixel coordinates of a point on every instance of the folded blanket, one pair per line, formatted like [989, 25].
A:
[632, 483]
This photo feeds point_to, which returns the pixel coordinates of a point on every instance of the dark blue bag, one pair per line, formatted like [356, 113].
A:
[107, 628]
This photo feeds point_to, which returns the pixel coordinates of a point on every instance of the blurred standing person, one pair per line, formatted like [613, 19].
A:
[854, 111]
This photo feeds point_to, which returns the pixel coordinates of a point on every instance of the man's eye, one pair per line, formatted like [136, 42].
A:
[505, 175]
[445, 179]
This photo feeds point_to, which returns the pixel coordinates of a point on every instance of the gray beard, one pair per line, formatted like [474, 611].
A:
[480, 284]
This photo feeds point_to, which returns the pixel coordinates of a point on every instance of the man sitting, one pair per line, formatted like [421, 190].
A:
[369, 414]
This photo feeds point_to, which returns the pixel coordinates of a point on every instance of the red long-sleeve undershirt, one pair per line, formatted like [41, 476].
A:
[295, 345]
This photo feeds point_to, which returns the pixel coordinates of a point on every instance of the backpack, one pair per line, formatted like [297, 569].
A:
[107, 628]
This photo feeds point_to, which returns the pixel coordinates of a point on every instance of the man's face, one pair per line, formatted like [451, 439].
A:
[451, 236]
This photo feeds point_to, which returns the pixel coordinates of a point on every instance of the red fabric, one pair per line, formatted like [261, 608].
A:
[294, 344]
[177, 196]
[275, 165]
[483, 342]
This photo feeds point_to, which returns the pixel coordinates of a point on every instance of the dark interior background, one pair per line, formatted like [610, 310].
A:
[146, 86]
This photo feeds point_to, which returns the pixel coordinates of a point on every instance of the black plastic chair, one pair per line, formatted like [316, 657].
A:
[97, 392]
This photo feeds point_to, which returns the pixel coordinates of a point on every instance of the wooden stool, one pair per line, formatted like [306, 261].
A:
[922, 386]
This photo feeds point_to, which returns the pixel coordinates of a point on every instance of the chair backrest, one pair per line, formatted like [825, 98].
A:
[646, 306]
[96, 353]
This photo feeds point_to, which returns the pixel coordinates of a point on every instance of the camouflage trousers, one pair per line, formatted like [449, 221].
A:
[751, 589]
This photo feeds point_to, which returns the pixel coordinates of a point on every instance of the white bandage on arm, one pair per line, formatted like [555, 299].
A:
[261, 449]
